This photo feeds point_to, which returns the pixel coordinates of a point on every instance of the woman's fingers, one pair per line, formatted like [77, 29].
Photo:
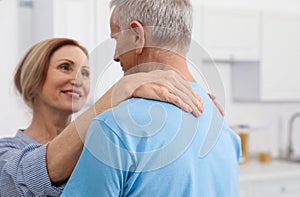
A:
[213, 98]
[162, 93]
[182, 89]
[158, 92]
[164, 85]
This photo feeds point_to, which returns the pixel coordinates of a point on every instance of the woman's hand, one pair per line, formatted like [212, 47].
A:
[213, 98]
[164, 85]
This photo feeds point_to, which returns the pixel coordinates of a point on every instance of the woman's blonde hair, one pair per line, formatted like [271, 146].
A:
[32, 70]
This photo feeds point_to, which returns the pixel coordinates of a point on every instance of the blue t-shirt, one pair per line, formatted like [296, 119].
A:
[150, 148]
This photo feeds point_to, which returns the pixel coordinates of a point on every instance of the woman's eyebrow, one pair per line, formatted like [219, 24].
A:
[68, 60]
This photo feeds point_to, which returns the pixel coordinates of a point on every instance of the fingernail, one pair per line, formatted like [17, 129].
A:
[201, 110]
[198, 113]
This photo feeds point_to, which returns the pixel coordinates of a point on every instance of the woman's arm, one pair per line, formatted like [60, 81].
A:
[64, 150]
[23, 170]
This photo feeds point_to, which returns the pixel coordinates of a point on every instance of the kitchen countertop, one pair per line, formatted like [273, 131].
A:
[254, 170]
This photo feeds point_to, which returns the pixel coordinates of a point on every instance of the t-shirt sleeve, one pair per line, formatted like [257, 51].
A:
[23, 172]
[99, 170]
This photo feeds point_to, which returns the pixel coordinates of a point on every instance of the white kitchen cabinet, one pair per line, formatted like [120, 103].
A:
[246, 190]
[231, 34]
[283, 187]
[280, 66]
[276, 179]
[275, 77]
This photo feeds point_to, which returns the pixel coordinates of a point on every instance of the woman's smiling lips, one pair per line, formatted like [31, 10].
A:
[75, 94]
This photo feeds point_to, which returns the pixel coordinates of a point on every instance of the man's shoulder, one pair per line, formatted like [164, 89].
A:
[140, 117]
[139, 110]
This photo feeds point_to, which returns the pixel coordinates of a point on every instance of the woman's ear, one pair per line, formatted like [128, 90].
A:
[139, 36]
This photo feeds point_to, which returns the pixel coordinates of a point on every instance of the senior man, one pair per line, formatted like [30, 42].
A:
[150, 148]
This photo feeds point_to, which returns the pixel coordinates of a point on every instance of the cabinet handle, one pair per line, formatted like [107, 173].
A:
[25, 4]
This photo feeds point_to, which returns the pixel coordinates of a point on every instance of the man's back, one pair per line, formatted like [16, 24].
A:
[149, 148]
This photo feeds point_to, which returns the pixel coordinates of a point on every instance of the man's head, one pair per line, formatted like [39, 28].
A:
[141, 24]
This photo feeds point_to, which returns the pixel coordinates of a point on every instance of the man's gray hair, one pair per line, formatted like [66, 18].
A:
[170, 21]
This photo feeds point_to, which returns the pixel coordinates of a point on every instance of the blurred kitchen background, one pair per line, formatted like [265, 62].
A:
[255, 45]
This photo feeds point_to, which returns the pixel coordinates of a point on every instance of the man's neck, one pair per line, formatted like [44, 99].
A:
[162, 60]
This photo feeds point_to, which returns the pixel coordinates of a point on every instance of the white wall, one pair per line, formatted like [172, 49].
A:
[13, 114]
[255, 4]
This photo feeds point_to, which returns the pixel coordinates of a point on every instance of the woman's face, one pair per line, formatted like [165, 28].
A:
[67, 83]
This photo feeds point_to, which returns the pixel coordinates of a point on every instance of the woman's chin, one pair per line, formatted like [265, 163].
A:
[76, 107]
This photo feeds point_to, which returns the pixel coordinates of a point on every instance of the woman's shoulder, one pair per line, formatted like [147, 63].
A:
[20, 140]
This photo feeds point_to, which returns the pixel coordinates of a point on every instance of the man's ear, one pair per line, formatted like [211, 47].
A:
[139, 36]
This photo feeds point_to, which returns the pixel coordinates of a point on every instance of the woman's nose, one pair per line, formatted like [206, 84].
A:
[76, 83]
[116, 56]
[77, 79]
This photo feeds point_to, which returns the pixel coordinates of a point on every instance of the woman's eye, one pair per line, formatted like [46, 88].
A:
[64, 67]
[85, 73]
